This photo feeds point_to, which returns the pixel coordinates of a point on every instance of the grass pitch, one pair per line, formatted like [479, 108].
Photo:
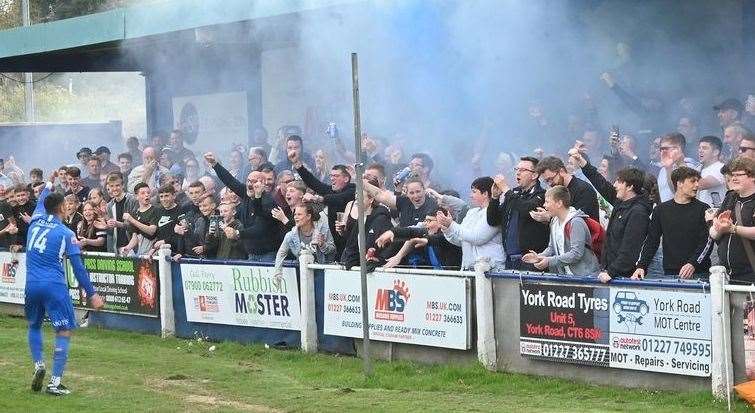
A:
[126, 372]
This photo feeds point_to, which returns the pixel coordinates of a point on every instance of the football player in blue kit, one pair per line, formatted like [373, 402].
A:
[48, 242]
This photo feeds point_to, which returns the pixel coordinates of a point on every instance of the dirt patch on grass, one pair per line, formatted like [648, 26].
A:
[194, 394]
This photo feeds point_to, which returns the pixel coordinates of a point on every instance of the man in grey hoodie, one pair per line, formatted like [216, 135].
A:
[568, 251]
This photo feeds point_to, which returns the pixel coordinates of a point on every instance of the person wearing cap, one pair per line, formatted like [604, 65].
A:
[729, 112]
[103, 154]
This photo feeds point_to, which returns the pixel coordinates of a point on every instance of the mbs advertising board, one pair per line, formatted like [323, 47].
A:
[629, 328]
[403, 308]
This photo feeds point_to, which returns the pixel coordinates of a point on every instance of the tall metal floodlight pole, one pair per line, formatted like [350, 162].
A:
[359, 167]
[28, 79]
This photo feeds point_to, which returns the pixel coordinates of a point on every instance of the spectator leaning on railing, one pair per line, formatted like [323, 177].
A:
[412, 208]
[222, 242]
[569, 249]
[22, 212]
[143, 223]
[377, 221]
[168, 217]
[510, 209]
[680, 223]
[477, 239]
[120, 203]
[628, 224]
[311, 231]
[734, 225]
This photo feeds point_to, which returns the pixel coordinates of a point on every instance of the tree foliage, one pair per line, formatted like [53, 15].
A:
[42, 11]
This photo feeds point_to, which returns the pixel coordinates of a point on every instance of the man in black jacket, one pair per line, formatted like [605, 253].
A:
[733, 230]
[628, 224]
[520, 232]
[335, 196]
[681, 223]
[583, 196]
[261, 233]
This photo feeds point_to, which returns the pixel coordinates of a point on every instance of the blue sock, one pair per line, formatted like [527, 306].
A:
[60, 356]
[35, 344]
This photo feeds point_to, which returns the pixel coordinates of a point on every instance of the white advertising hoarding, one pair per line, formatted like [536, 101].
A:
[241, 295]
[12, 277]
[403, 308]
[663, 331]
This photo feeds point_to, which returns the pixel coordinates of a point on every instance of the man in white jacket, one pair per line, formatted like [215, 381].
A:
[476, 238]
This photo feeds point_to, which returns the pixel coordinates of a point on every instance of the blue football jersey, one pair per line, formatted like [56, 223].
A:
[48, 241]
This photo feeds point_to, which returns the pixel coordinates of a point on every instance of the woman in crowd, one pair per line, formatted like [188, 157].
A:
[477, 239]
[92, 230]
[322, 166]
[295, 191]
[377, 221]
[311, 231]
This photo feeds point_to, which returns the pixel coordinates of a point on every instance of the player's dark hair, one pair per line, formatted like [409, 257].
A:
[54, 202]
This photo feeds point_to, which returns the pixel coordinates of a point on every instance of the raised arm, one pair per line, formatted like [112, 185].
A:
[385, 197]
[312, 182]
[225, 177]
[476, 235]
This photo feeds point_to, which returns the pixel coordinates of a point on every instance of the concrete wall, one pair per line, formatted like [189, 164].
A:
[409, 352]
[506, 302]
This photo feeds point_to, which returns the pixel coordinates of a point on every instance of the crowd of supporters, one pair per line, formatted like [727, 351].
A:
[596, 207]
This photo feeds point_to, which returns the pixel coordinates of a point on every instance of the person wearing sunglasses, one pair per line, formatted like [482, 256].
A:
[747, 146]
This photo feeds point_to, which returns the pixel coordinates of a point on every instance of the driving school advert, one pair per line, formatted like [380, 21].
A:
[628, 328]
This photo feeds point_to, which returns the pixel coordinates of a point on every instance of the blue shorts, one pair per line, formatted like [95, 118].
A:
[53, 299]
